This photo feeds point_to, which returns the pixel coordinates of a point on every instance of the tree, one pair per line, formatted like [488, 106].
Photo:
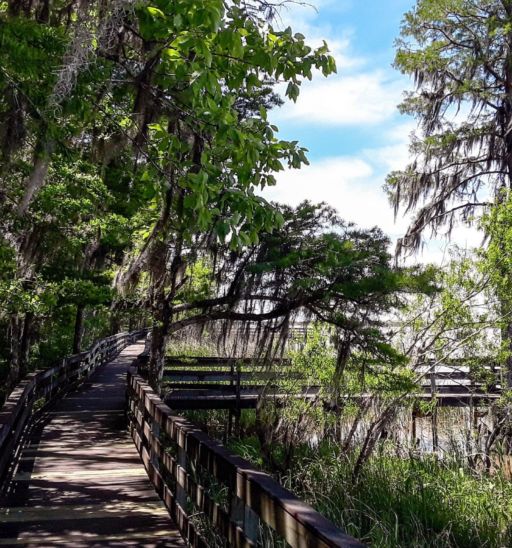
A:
[460, 55]
[164, 106]
[135, 138]
[213, 144]
[314, 267]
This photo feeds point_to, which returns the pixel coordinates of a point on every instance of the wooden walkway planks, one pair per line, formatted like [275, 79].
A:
[79, 481]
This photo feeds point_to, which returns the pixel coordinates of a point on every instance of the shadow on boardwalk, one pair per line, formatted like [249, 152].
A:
[78, 480]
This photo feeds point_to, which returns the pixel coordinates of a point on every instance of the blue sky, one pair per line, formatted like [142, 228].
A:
[361, 32]
[349, 121]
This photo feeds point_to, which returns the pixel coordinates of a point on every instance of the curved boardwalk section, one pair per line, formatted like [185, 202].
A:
[78, 479]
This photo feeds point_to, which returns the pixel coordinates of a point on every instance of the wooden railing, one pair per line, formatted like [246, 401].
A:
[215, 497]
[229, 383]
[216, 373]
[42, 387]
[459, 378]
[238, 383]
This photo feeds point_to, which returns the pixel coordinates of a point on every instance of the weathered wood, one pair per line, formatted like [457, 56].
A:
[223, 383]
[255, 493]
[188, 375]
[45, 385]
[207, 361]
[79, 480]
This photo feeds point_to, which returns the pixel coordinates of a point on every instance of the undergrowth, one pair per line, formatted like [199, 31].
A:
[397, 502]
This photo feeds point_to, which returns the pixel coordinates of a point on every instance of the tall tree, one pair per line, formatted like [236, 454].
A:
[314, 267]
[164, 105]
[212, 145]
[135, 137]
[459, 53]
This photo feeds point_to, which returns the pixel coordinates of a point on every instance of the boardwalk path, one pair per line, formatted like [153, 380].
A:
[79, 480]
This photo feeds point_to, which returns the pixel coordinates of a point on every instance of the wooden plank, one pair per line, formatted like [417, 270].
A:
[184, 375]
[80, 477]
[48, 384]
[198, 361]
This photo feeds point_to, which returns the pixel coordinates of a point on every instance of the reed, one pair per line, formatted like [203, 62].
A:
[420, 501]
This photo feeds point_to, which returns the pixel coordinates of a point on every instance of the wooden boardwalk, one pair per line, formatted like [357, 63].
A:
[78, 479]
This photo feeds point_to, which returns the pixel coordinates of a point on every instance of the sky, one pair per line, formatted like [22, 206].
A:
[349, 122]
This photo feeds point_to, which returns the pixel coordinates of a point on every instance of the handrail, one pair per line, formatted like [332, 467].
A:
[186, 467]
[47, 384]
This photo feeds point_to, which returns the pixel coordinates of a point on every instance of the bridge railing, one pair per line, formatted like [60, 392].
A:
[216, 373]
[214, 496]
[230, 383]
[41, 387]
[460, 378]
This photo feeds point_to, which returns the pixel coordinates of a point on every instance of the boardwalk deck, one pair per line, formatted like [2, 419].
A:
[78, 479]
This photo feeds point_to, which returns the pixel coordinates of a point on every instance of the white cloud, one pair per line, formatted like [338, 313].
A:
[367, 98]
[350, 185]
[353, 185]
[363, 94]
[394, 155]
[359, 94]
[437, 249]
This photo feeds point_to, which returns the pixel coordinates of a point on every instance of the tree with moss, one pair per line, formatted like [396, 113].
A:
[135, 138]
[163, 108]
[459, 53]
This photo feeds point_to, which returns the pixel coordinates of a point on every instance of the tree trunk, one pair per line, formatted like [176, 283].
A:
[20, 338]
[43, 15]
[79, 329]
[15, 331]
[34, 182]
[372, 437]
[115, 323]
[14, 7]
[26, 341]
[159, 336]
[363, 407]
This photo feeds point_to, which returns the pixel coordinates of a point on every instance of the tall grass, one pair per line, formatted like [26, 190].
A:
[397, 502]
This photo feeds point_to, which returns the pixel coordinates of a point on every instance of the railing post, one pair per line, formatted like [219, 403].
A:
[433, 390]
[251, 524]
[181, 493]
[237, 511]
[229, 431]
[238, 388]
[413, 426]
[153, 455]
[127, 399]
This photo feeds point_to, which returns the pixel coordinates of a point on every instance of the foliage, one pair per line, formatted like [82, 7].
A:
[458, 324]
[458, 53]
[315, 266]
[497, 259]
[419, 501]
[125, 127]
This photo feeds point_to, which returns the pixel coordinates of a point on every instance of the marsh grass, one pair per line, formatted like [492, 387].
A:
[400, 502]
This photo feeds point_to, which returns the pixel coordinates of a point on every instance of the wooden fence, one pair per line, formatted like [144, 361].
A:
[237, 383]
[42, 387]
[230, 383]
[215, 497]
